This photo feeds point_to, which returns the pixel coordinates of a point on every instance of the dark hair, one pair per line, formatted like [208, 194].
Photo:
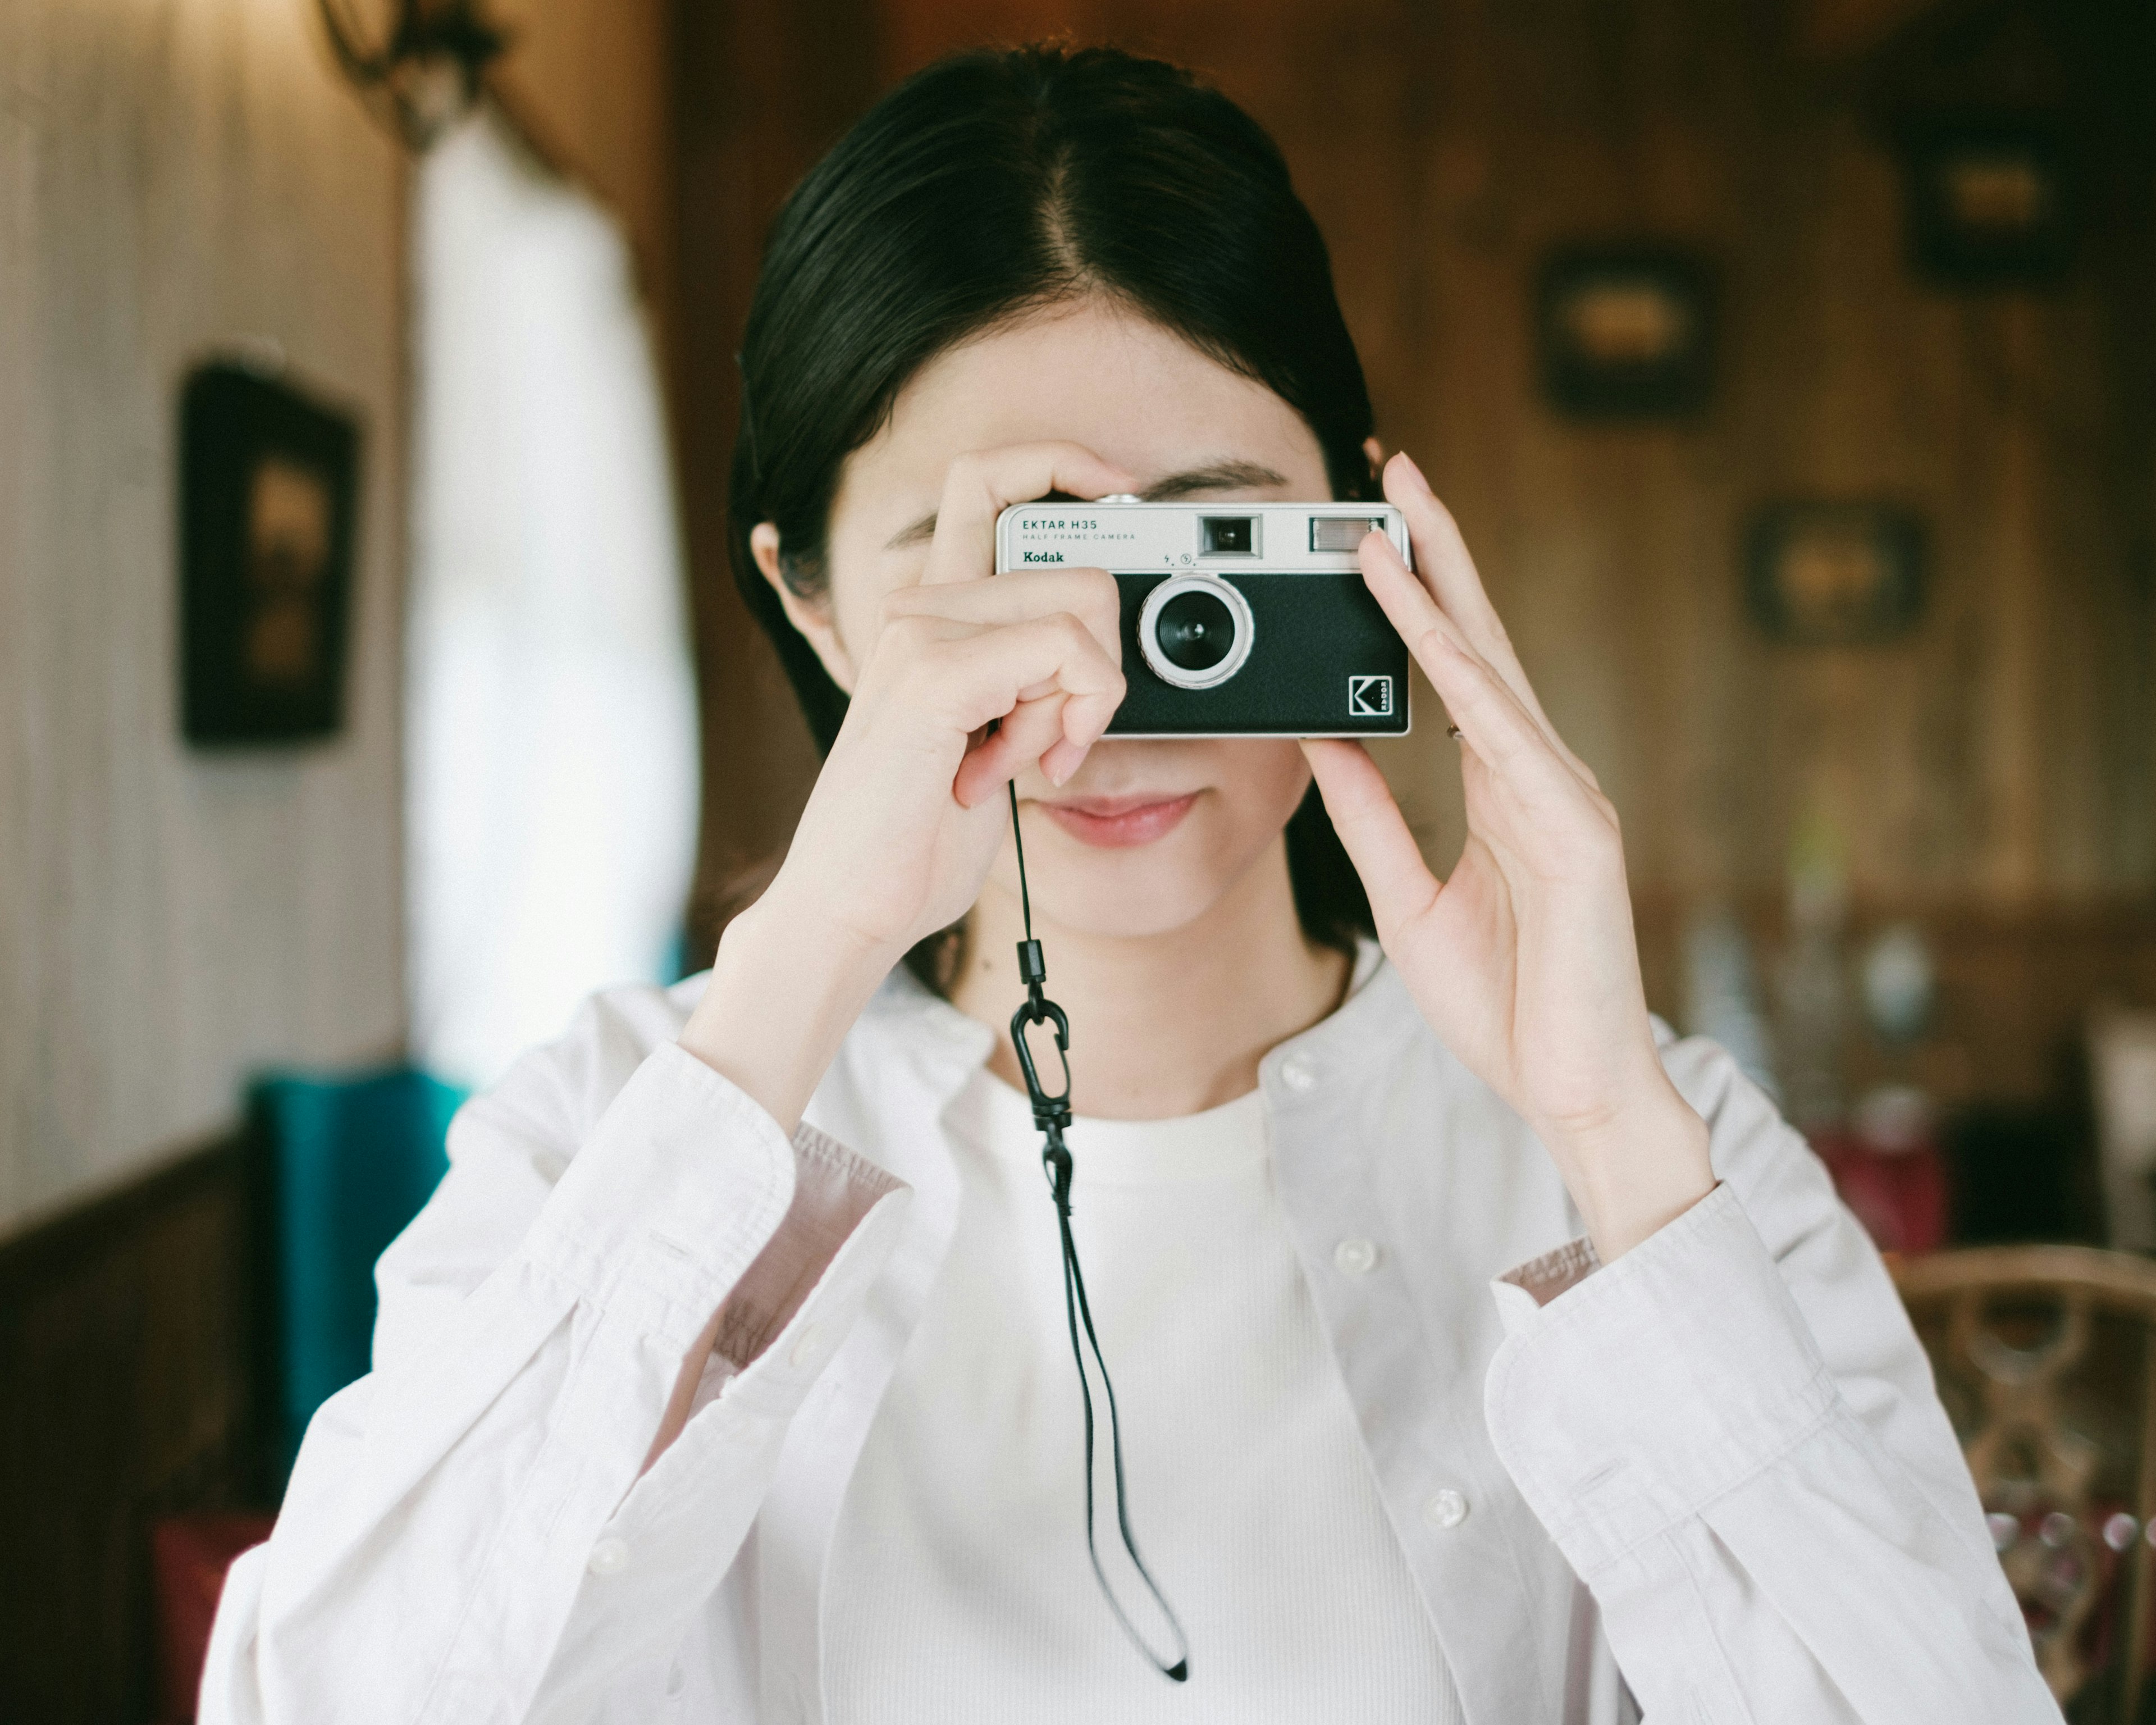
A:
[991, 185]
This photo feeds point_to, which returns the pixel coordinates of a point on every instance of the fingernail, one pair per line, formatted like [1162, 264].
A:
[1414, 473]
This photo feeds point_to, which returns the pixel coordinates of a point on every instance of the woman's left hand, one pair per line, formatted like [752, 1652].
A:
[1523, 959]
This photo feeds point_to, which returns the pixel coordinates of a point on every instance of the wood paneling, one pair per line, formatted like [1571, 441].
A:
[2015, 988]
[176, 179]
[130, 1354]
[761, 92]
[2000, 762]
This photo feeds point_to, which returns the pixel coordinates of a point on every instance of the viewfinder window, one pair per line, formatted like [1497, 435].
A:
[1229, 535]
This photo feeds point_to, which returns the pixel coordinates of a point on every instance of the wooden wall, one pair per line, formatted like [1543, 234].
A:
[1994, 769]
[760, 92]
[131, 1354]
[176, 179]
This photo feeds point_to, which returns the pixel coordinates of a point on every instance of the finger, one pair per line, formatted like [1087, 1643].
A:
[1064, 758]
[1425, 625]
[1420, 620]
[983, 677]
[1448, 572]
[1372, 829]
[1524, 766]
[1033, 729]
[1091, 595]
[978, 488]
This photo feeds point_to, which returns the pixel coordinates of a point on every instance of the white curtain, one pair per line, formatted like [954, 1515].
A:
[551, 737]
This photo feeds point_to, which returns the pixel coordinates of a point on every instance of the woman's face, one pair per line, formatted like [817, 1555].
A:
[1147, 836]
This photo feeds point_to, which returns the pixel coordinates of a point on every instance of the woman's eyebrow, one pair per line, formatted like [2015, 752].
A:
[1220, 476]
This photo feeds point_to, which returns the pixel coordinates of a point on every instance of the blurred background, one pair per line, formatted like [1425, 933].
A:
[372, 683]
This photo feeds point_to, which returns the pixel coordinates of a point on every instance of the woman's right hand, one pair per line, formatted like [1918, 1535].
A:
[971, 679]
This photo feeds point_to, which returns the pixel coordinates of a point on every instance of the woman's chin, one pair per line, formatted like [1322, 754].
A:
[1132, 893]
[1118, 919]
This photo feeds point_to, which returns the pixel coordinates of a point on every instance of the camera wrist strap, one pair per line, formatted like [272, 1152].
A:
[1051, 1113]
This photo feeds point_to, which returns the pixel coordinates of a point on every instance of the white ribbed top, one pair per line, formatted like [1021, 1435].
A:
[959, 1590]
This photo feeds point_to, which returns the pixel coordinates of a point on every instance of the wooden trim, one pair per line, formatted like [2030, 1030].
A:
[2113, 1278]
[39, 1250]
[134, 1382]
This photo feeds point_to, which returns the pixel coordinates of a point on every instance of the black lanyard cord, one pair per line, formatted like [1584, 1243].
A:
[1051, 1113]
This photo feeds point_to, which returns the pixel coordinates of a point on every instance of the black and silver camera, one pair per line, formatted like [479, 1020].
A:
[1239, 619]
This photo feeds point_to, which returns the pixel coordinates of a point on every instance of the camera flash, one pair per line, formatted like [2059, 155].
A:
[1341, 533]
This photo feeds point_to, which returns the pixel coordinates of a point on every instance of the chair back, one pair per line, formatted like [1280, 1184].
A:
[353, 1157]
[2045, 1358]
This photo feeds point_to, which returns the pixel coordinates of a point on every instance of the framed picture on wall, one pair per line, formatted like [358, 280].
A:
[268, 490]
[1988, 200]
[1835, 574]
[1625, 331]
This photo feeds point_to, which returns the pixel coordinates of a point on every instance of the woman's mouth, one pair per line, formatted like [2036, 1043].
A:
[1118, 823]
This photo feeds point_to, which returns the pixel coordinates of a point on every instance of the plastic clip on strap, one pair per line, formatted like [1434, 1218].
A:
[1051, 1113]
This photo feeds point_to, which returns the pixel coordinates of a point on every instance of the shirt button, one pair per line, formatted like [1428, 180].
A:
[1298, 1072]
[805, 1345]
[1355, 1257]
[609, 1556]
[1445, 1509]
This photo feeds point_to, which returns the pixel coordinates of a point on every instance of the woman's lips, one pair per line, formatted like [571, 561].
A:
[1118, 823]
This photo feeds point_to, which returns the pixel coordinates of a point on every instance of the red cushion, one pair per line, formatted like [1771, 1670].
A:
[188, 1556]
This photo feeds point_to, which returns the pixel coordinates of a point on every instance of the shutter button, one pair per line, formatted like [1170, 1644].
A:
[609, 1556]
[1355, 1257]
[1297, 1073]
[1445, 1509]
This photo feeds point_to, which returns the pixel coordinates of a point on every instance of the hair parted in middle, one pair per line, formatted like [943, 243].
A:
[989, 186]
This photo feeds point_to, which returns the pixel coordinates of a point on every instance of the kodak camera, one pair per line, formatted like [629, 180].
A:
[1239, 619]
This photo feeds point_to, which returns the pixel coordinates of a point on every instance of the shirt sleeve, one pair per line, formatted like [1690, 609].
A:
[1732, 1435]
[471, 1531]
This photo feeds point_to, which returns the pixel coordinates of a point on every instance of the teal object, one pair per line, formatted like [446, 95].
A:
[351, 1158]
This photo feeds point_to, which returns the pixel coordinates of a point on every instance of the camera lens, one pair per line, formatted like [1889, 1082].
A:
[1195, 631]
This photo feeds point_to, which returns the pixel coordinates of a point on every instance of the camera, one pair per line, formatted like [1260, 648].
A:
[1239, 619]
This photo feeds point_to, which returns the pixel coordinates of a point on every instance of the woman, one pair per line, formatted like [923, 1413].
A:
[727, 1377]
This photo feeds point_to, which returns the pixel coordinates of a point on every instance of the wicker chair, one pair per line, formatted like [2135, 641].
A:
[2045, 1357]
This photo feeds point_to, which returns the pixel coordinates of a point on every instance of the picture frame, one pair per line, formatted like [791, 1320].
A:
[269, 487]
[1989, 200]
[1835, 573]
[1626, 332]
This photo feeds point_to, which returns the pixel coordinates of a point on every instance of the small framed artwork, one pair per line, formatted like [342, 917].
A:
[269, 488]
[1835, 574]
[1988, 202]
[1626, 332]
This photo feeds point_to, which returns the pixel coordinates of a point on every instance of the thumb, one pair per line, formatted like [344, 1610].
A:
[1372, 829]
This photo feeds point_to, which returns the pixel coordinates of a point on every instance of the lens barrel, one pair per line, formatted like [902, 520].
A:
[1195, 631]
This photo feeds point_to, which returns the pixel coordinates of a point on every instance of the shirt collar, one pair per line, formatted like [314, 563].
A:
[1365, 1031]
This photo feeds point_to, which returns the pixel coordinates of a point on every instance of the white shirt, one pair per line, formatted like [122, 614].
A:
[960, 1563]
[1717, 1466]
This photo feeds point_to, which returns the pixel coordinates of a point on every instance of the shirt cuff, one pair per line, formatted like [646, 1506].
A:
[1628, 1398]
[1524, 1291]
[678, 1189]
[832, 1190]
